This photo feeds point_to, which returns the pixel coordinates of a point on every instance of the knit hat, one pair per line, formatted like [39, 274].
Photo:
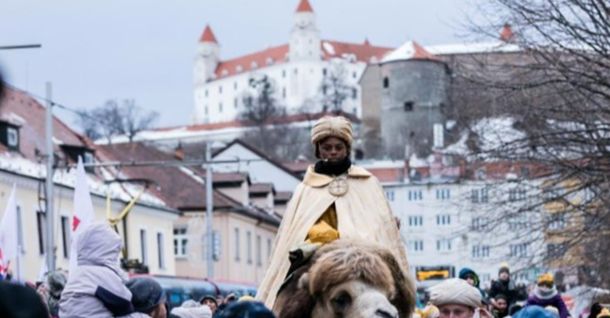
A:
[210, 297]
[247, 309]
[146, 294]
[455, 291]
[605, 313]
[545, 278]
[466, 273]
[504, 269]
[332, 127]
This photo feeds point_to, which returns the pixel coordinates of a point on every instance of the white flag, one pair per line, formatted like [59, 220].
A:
[83, 214]
[9, 240]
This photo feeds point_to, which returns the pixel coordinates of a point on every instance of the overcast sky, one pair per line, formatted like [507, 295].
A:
[95, 50]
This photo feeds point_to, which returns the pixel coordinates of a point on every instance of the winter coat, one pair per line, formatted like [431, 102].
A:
[506, 288]
[362, 213]
[552, 299]
[96, 287]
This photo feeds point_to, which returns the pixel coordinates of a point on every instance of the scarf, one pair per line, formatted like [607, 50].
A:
[331, 168]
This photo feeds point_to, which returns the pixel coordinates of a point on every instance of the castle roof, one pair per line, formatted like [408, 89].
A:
[411, 50]
[304, 6]
[208, 35]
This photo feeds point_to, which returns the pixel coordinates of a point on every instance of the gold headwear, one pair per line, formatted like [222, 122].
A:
[332, 127]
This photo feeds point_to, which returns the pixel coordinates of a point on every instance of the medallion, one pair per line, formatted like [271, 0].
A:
[338, 187]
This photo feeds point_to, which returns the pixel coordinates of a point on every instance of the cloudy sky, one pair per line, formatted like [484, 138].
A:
[95, 50]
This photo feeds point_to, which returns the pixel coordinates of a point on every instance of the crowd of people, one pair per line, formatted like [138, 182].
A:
[462, 297]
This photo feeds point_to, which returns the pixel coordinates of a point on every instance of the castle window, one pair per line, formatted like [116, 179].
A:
[283, 92]
[354, 93]
[219, 89]
[269, 61]
[253, 65]
[238, 68]
[220, 107]
[283, 73]
[408, 106]
[296, 71]
[235, 86]
[235, 102]
[206, 93]
[386, 82]
[354, 75]
[324, 71]
[205, 109]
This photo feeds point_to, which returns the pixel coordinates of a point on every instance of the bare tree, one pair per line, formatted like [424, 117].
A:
[112, 119]
[557, 91]
[334, 88]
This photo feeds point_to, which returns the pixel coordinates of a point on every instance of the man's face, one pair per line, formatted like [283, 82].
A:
[470, 280]
[455, 311]
[332, 149]
[159, 312]
[501, 304]
[504, 276]
[210, 303]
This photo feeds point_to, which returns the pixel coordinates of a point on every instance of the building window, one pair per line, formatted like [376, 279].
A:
[296, 71]
[205, 93]
[408, 106]
[160, 250]
[235, 86]
[12, 137]
[443, 219]
[283, 92]
[386, 82]
[517, 194]
[269, 246]
[237, 252]
[415, 246]
[415, 195]
[20, 231]
[443, 194]
[354, 93]
[259, 252]
[480, 251]
[556, 251]
[254, 65]
[557, 221]
[283, 73]
[65, 236]
[390, 195]
[323, 71]
[41, 221]
[518, 250]
[205, 109]
[324, 89]
[236, 102]
[354, 75]
[143, 252]
[249, 246]
[517, 222]
[416, 221]
[479, 224]
[220, 107]
[480, 195]
[180, 242]
[443, 245]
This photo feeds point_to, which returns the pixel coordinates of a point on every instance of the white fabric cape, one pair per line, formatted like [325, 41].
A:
[363, 213]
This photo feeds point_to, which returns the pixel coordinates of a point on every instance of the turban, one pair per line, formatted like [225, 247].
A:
[332, 127]
[455, 291]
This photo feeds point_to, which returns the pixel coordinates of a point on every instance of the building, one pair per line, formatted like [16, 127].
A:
[307, 72]
[244, 223]
[147, 231]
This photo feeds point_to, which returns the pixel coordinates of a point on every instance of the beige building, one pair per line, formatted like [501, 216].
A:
[147, 231]
[245, 218]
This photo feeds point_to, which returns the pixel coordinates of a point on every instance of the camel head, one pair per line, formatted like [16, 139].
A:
[348, 279]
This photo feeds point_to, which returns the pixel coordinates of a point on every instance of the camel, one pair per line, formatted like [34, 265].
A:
[347, 279]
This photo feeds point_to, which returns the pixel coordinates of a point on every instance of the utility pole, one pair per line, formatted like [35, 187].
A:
[209, 210]
[50, 244]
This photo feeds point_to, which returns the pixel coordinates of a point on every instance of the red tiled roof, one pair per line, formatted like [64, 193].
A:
[208, 35]
[388, 174]
[261, 188]
[363, 52]
[278, 54]
[172, 185]
[506, 34]
[304, 6]
[274, 55]
[288, 119]
[24, 111]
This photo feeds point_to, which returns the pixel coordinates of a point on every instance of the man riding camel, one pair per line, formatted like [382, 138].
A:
[336, 199]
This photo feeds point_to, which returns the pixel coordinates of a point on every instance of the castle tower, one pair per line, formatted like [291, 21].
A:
[208, 55]
[305, 36]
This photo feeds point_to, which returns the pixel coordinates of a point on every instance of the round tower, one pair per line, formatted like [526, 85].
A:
[208, 56]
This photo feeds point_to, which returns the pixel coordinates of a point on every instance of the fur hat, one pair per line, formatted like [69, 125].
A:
[455, 291]
[545, 278]
[146, 294]
[332, 127]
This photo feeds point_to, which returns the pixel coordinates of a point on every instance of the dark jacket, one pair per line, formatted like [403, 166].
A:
[506, 288]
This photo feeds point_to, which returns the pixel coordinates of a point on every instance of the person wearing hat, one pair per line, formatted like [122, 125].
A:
[210, 301]
[148, 298]
[455, 298]
[502, 286]
[336, 199]
[545, 294]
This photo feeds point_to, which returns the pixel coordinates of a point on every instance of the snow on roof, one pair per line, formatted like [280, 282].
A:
[417, 162]
[469, 48]
[328, 48]
[411, 50]
[492, 133]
